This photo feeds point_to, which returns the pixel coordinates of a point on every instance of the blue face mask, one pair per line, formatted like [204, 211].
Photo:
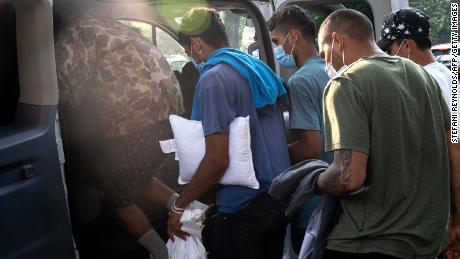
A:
[284, 59]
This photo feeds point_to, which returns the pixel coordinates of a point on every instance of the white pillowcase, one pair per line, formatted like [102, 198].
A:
[190, 144]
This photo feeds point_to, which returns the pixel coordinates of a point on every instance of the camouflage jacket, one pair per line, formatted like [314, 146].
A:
[111, 74]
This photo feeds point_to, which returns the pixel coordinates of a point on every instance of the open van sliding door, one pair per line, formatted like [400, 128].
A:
[34, 221]
[258, 12]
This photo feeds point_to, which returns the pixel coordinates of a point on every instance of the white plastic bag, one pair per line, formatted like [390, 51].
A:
[288, 251]
[192, 248]
[192, 223]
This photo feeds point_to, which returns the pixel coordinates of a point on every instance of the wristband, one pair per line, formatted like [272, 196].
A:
[174, 208]
[171, 201]
[176, 211]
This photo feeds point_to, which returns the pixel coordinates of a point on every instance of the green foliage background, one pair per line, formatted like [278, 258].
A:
[439, 12]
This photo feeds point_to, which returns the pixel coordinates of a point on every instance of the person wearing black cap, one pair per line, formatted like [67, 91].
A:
[388, 125]
[406, 33]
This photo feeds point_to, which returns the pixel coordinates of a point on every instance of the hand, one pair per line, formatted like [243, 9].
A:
[174, 226]
[453, 249]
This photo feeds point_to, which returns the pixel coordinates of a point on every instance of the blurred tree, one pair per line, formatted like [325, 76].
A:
[167, 44]
[144, 28]
[439, 13]
[234, 27]
[437, 10]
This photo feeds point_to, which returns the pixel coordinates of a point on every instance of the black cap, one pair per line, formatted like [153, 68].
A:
[406, 23]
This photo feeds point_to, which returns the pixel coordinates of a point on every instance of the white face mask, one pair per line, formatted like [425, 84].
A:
[397, 52]
[329, 69]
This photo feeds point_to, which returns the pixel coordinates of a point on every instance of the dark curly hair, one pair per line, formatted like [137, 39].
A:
[293, 17]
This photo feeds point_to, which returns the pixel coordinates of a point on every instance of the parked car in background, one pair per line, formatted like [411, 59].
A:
[442, 53]
[441, 49]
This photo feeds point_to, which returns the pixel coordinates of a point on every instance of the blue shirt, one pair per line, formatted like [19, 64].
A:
[306, 88]
[224, 96]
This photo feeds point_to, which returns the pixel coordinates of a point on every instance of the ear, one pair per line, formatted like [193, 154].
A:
[334, 37]
[196, 43]
[295, 34]
[339, 40]
[409, 45]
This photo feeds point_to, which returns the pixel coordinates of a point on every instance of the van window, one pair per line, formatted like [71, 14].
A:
[144, 28]
[171, 50]
[240, 30]
[238, 26]
[9, 78]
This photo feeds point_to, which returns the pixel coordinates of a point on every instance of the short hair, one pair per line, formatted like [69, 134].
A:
[422, 42]
[293, 17]
[204, 23]
[349, 22]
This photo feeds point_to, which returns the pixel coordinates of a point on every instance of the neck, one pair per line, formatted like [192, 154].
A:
[363, 50]
[304, 52]
[207, 52]
[423, 57]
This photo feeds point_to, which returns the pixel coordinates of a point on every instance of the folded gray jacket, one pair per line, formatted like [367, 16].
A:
[296, 186]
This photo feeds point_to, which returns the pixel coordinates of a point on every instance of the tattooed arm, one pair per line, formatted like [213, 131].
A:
[345, 175]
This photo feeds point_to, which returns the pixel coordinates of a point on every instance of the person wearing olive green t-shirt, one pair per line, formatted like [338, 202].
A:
[387, 123]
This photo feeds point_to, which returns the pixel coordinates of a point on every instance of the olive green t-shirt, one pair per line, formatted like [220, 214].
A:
[392, 110]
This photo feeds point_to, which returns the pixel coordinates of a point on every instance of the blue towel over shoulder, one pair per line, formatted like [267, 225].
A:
[265, 85]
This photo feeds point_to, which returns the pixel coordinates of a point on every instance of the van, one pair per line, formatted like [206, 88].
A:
[36, 191]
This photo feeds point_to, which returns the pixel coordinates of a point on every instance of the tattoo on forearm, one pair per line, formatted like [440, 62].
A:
[344, 177]
[338, 177]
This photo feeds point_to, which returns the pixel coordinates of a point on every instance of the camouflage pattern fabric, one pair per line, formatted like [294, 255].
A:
[116, 93]
[116, 64]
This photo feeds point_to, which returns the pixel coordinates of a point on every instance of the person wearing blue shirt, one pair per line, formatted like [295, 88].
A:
[293, 31]
[249, 223]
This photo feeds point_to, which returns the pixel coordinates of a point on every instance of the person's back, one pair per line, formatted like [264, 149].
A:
[248, 222]
[112, 99]
[415, 43]
[401, 210]
[116, 92]
[442, 75]
[228, 94]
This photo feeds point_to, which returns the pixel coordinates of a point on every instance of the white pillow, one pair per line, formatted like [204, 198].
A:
[190, 147]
